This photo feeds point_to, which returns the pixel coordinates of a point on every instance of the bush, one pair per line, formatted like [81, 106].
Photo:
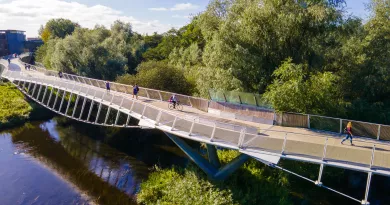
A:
[13, 108]
[159, 75]
[254, 183]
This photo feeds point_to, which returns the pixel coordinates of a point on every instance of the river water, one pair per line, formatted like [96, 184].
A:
[60, 161]
[54, 162]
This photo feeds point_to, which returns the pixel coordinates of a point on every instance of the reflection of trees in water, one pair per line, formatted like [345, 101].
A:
[114, 167]
[68, 160]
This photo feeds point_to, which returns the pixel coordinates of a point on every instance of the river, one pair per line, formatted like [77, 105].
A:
[60, 161]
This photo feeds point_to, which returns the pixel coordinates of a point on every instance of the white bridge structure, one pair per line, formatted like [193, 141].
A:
[86, 100]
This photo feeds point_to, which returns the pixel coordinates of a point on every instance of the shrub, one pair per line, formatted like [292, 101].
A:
[254, 183]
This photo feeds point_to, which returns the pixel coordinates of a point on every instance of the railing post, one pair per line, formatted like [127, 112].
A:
[147, 94]
[257, 104]
[82, 107]
[372, 156]
[90, 110]
[341, 126]
[107, 115]
[213, 132]
[365, 201]
[284, 143]
[44, 95]
[143, 112]
[75, 105]
[39, 91]
[55, 101]
[159, 94]
[318, 182]
[189, 100]
[379, 132]
[69, 101]
[62, 101]
[51, 94]
[174, 123]
[242, 137]
[192, 127]
[158, 118]
[35, 86]
[308, 121]
[131, 108]
[128, 119]
[98, 113]
[29, 87]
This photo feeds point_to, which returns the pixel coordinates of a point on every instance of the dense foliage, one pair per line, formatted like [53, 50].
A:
[304, 56]
[252, 184]
[13, 108]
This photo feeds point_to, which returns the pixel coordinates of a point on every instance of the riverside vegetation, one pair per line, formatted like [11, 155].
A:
[303, 56]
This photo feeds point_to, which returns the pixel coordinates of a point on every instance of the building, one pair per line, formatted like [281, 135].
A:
[32, 44]
[11, 41]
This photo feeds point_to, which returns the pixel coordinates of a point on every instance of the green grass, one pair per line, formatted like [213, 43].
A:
[253, 183]
[14, 109]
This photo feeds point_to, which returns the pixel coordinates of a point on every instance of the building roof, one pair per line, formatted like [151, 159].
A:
[12, 30]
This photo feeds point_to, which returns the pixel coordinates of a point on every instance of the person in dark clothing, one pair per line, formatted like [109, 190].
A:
[9, 61]
[135, 91]
[108, 86]
[60, 74]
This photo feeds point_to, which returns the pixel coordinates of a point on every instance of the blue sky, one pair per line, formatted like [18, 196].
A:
[146, 16]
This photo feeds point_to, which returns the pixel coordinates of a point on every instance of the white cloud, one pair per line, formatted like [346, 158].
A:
[181, 17]
[177, 7]
[186, 6]
[158, 9]
[28, 15]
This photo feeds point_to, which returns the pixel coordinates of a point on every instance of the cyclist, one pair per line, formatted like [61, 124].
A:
[173, 100]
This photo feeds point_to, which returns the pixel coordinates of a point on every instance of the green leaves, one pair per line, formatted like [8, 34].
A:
[293, 90]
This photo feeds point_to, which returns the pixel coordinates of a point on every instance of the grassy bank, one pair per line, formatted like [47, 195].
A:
[15, 109]
[253, 183]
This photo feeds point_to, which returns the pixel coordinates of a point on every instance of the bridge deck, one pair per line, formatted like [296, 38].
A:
[295, 143]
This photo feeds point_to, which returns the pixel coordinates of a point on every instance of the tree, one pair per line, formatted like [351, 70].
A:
[295, 89]
[158, 75]
[250, 39]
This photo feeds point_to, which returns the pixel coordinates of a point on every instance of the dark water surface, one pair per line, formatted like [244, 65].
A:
[54, 162]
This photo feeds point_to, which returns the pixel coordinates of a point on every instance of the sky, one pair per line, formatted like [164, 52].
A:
[146, 16]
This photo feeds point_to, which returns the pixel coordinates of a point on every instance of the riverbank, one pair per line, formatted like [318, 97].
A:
[16, 109]
[253, 183]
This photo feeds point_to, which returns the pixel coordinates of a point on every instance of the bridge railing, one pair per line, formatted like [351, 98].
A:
[312, 146]
[317, 122]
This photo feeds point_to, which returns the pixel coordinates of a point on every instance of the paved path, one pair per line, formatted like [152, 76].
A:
[295, 143]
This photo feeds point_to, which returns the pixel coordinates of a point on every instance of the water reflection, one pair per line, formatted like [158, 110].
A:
[85, 156]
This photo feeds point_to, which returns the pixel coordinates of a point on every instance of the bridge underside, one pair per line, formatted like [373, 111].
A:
[95, 106]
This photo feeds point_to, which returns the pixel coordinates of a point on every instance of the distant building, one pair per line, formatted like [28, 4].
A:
[32, 44]
[11, 41]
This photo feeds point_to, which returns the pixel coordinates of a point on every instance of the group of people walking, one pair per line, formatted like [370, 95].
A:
[135, 89]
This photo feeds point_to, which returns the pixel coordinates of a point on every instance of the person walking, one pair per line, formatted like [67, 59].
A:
[108, 86]
[60, 74]
[348, 131]
[135, 91]
[9, 61]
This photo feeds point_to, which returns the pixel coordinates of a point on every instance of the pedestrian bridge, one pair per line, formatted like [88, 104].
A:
[86, 100]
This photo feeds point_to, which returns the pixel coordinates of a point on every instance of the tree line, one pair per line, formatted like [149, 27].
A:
[306, 56]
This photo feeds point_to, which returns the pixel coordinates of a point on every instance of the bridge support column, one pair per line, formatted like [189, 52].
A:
[210, 169]
[213, 156]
